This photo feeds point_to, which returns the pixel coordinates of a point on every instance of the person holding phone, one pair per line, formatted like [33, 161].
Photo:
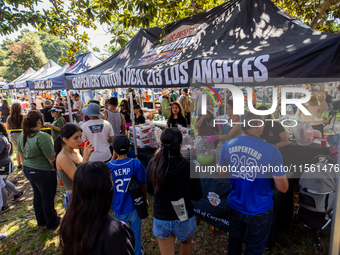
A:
[58, 122]
[68, 158]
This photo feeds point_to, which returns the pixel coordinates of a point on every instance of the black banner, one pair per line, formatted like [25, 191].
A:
[241, 42]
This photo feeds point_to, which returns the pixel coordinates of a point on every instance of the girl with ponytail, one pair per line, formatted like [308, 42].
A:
[168, 179]
[37, 150]
[66, 147]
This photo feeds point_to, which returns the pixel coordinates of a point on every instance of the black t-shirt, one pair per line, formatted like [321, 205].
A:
[272, 134]
[115, 238]
[328, 99]
[140, 119]
[178, 185]
[47, 115]
[175, 122]
[126, 116]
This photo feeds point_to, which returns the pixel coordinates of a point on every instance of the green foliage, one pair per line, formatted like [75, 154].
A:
[26, 52]
[61, 20]
[111, 49]
[125, 18]
[320, 15]
[32, 49]
[54, 47]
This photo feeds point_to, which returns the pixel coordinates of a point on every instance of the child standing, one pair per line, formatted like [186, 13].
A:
[122, 170]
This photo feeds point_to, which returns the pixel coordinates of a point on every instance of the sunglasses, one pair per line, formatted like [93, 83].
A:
[122, 105]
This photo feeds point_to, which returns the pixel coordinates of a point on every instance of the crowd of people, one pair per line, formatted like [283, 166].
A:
[91, 159]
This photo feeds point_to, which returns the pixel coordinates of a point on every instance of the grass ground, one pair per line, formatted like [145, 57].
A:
[27, 238]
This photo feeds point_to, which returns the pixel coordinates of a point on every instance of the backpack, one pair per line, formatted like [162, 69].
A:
[187, 103]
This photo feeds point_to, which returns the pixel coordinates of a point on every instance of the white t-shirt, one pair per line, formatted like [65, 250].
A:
[98, 131]
[79, 105]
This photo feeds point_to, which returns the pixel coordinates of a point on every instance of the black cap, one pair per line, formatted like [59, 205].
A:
[121, 144]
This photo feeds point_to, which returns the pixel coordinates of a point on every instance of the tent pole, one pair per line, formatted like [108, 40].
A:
[69, 107]
[140, 98]
[29, 96]
[225, 103]
[133, 125]
[153, 99]
[334, 248]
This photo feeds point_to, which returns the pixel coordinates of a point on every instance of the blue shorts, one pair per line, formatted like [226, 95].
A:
[182, 230]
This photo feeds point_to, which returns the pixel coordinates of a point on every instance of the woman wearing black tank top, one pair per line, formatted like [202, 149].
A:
[68, 158]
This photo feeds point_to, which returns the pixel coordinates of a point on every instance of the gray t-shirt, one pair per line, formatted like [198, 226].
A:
[181, 100]
[4, 156]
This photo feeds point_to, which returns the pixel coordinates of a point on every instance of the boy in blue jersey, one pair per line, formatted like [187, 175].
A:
[122, 170]
[254, 166]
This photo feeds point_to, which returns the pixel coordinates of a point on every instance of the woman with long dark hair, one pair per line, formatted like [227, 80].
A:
[58, 122]
[139, 117]
[6, 168]
[87, 227]
[66, 147]
[176, 116]
[5, 110]
[168, 179]
[37, 150]
[14, 121]
[125, 110]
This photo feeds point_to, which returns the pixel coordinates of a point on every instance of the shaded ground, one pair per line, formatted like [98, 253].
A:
[27, 238]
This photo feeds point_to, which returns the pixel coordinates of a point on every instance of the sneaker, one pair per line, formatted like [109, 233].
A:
[16, 198]
[56, 224]
[142, 250]
[4, 208]
[3, 237]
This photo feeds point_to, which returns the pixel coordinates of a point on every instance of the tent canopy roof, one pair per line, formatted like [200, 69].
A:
[49, 68]
[55, 81]
[241, 42]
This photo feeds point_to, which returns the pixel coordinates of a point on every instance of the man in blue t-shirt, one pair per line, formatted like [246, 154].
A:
[254, 166]
[122, 170]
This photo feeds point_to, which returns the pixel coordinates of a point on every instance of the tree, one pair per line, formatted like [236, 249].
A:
[61, 20]
[126, 17]
[25, 53]
[54, 47]
[320, 15]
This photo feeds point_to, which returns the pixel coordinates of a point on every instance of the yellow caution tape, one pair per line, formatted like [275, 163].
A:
[21, 129]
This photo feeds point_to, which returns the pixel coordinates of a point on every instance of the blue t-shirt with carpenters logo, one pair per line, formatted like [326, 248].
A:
[252, 162]
[122, 171]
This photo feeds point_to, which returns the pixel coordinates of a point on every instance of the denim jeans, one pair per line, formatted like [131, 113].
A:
[135, 223]
[44, 184]
[67, 199]
[256, 228]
